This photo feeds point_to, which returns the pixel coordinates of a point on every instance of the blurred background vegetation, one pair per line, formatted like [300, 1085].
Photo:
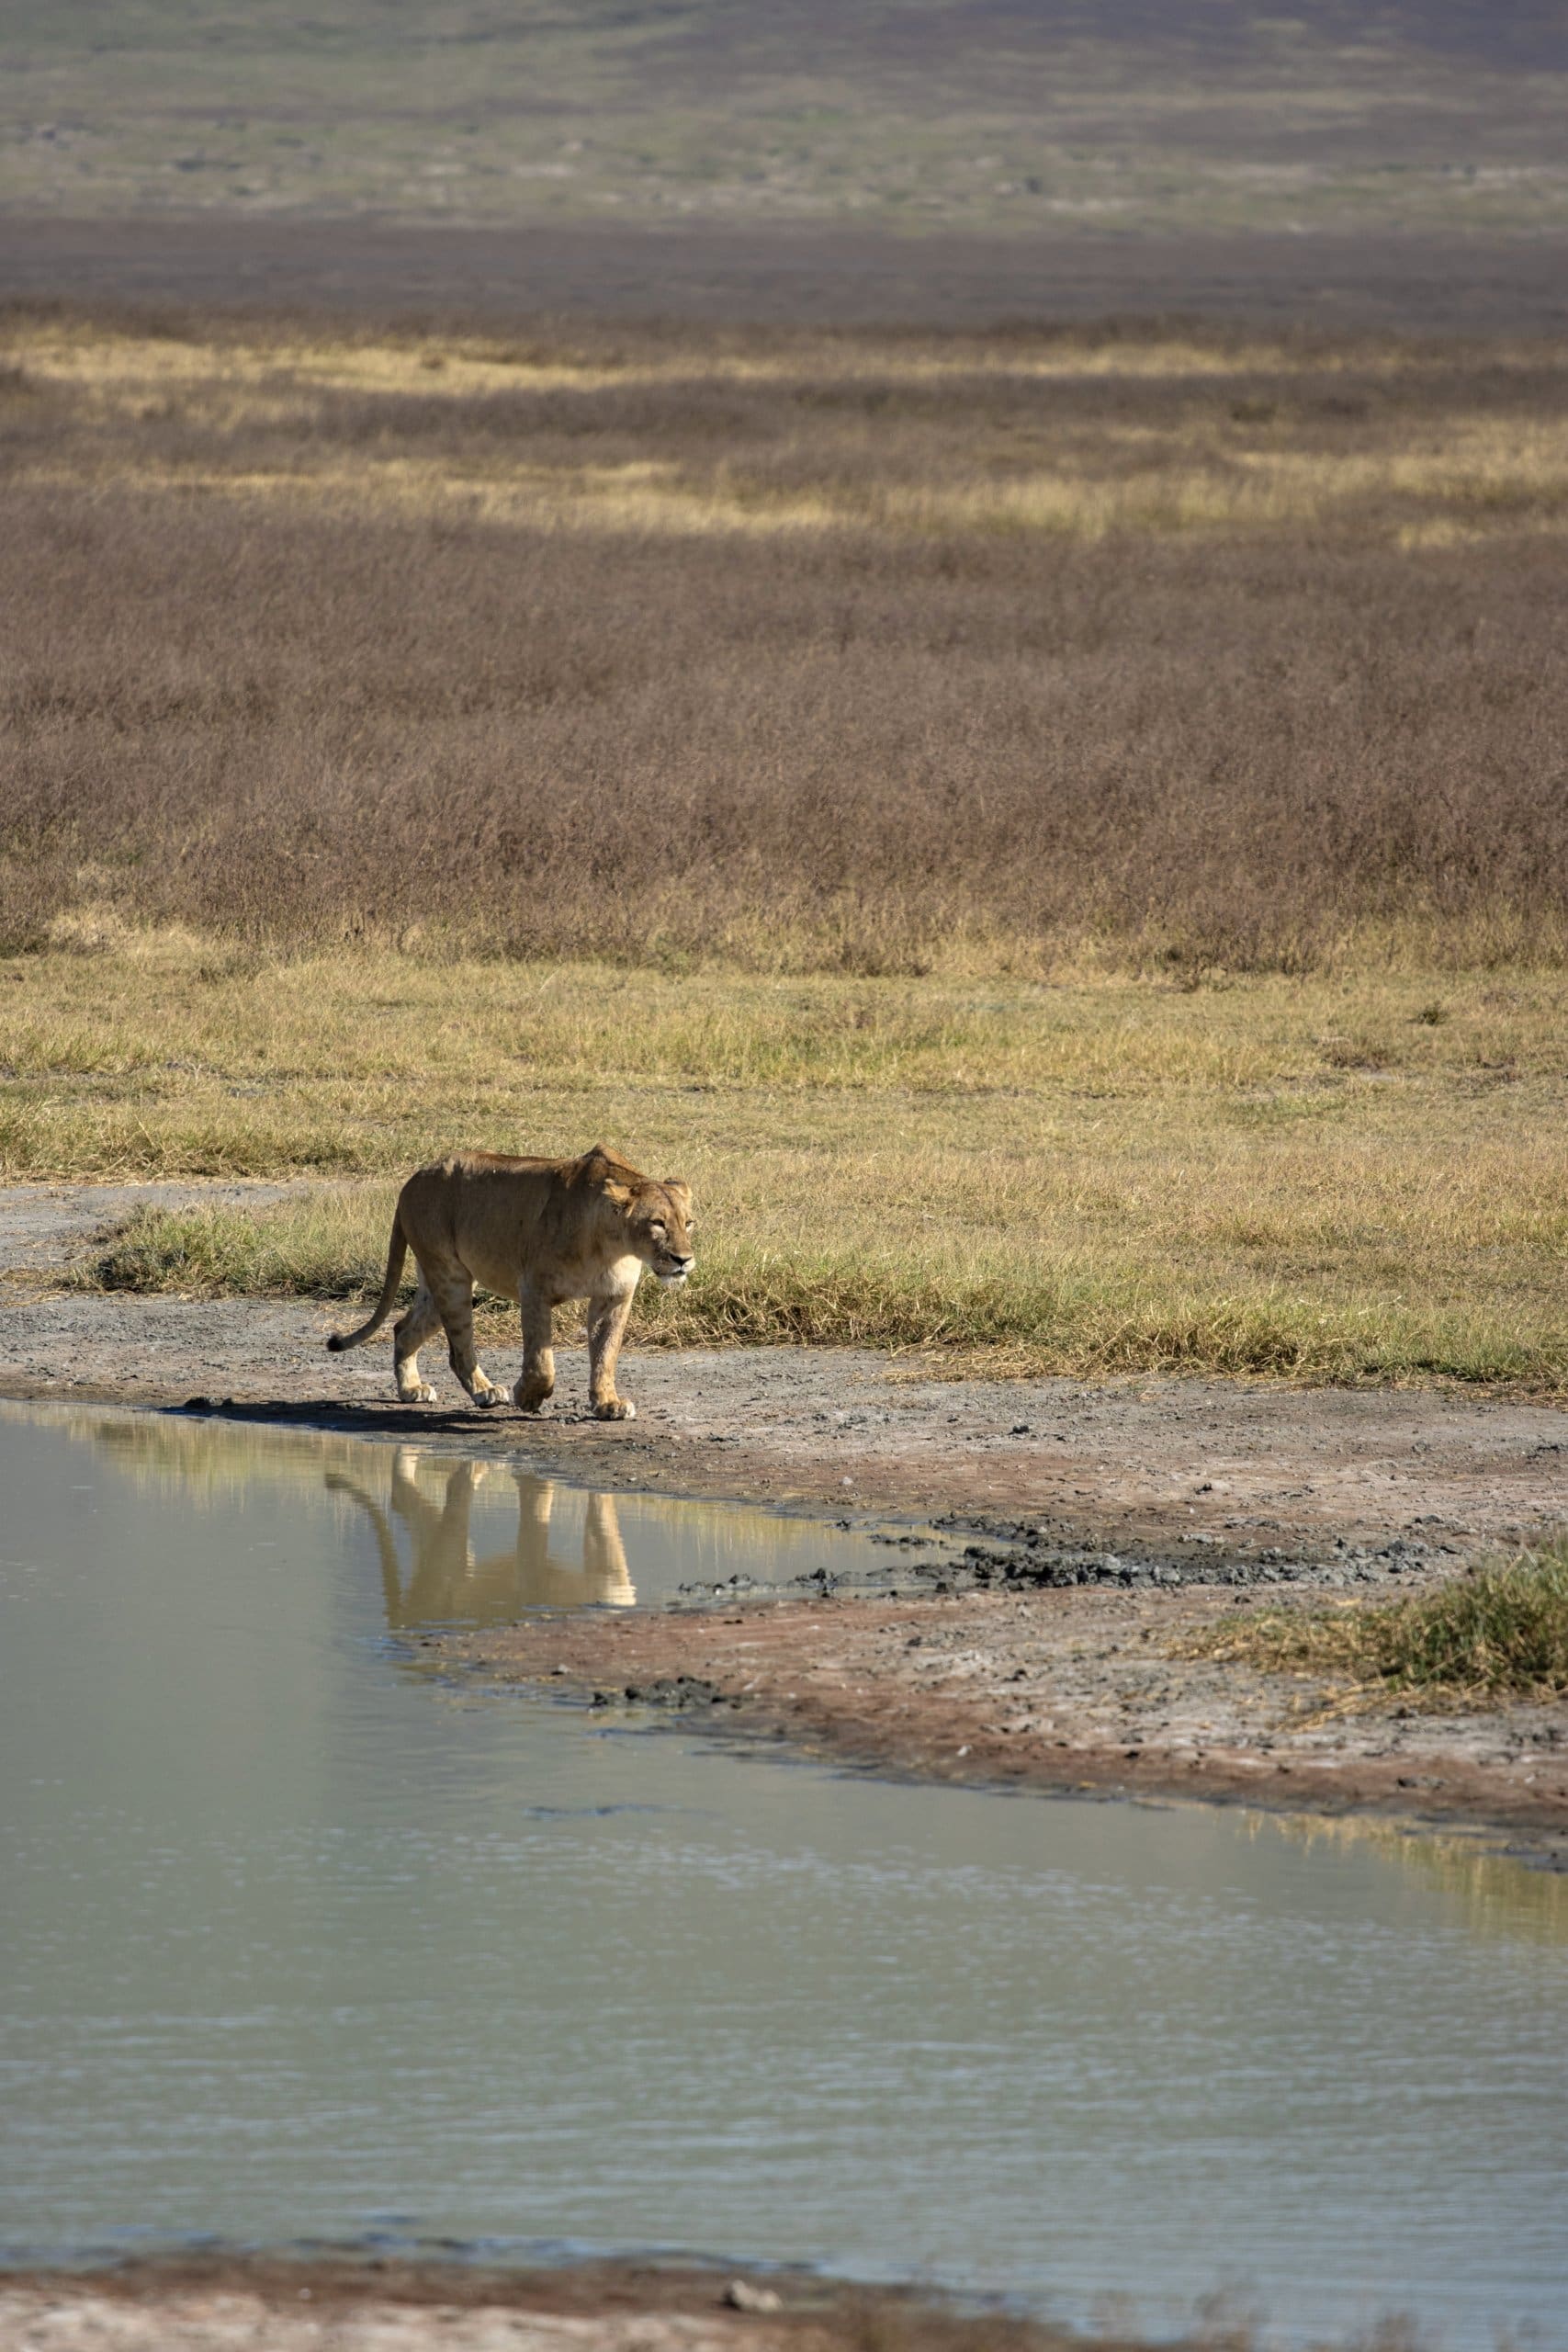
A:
[1028, 117]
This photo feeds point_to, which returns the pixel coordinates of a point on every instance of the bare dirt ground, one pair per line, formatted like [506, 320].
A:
[222, 2303]
[1107, 1519]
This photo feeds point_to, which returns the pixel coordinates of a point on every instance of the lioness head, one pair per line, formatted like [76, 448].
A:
[654, 1221]
[659, 1223]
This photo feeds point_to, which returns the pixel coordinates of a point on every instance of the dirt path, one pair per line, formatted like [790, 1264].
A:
[1109, 1516]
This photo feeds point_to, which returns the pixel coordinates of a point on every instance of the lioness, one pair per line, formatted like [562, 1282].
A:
[539, 1231]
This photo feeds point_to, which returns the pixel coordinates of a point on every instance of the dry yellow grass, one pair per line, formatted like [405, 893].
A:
[1188, 470]
[1354, 1179]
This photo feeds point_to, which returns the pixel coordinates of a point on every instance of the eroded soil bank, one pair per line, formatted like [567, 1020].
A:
[1176, 1499]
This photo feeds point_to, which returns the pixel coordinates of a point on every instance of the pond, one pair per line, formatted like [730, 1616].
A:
[304, 1941]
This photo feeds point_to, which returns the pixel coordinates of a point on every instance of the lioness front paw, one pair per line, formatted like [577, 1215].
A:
[488, 1396]
[421, 1396]
[615, 1409]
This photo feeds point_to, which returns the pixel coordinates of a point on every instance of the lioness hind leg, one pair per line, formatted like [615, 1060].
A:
[410, 1333]
[454, 1296]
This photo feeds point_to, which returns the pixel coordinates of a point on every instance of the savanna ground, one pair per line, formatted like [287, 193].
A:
[1059, 835]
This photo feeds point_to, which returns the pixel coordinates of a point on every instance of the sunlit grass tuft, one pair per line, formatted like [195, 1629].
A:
[1498, 1631]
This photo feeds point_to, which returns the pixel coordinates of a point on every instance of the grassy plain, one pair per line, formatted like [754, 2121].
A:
[1060, 835]
[1100, 114]
[1345, 1178]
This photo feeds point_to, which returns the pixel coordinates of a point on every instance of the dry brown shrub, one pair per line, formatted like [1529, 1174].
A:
[864, 743]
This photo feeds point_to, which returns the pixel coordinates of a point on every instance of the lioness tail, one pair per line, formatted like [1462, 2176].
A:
[397, 1250]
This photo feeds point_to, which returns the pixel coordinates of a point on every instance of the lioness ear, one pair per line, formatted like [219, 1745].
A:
[618, 1196]
[679, 1193]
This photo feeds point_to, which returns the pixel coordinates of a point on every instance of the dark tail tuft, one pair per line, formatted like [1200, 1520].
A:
[397, 1250]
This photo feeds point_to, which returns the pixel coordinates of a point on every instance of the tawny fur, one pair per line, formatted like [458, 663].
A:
[540, 1231]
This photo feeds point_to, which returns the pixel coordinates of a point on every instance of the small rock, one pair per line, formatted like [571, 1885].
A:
[741, 2296]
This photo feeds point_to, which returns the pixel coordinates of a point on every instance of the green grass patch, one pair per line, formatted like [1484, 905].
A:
[1499, 1631]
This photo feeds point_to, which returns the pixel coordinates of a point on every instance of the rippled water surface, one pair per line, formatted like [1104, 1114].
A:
[300, 1941]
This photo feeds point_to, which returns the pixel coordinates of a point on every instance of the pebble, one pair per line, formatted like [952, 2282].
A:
[742, 2296]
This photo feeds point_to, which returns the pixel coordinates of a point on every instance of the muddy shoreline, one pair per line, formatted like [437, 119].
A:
[211, 2302]
[1083, 1528]
[1077, 1695]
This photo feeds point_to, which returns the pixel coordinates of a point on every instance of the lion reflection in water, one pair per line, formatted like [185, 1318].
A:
[449, 1580]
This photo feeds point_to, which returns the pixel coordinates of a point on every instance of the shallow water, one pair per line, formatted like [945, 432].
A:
[301, 1941]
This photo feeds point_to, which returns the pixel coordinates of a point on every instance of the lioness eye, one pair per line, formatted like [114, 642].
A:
[657, 1227]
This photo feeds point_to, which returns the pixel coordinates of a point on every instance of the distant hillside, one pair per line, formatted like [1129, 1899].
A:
[1011, 116]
